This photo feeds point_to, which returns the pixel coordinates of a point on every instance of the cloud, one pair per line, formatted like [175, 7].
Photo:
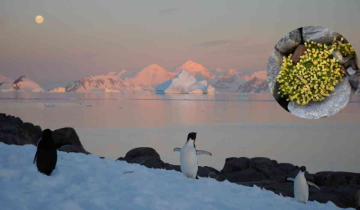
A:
[168, 11]
[214, 43]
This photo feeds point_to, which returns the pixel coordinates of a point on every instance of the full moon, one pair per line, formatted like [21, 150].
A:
[39, 19]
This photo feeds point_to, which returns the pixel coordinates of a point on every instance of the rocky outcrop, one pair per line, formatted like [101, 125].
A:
[149, 158]
[67, 140]
[338, 187]
[319, 34]
[341, 188]
[289, 42]
[14, 131]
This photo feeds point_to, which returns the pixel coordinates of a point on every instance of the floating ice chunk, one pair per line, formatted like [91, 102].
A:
[51, 105]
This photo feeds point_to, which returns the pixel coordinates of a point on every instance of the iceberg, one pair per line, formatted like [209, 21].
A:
[184, 83]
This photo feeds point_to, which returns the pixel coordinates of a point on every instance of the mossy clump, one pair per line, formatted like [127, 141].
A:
[345, 48]
[314, 76]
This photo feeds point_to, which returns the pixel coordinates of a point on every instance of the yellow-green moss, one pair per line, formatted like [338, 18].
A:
[345, 48]
[314, 76]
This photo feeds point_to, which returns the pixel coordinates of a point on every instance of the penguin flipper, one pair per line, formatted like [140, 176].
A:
[177, 149]
[314, 185]
[202, 152]
[36, 154]
[291, 179]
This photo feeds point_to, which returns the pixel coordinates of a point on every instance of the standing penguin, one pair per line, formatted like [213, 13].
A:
[46, 154]
[301, 188]
[188, 157]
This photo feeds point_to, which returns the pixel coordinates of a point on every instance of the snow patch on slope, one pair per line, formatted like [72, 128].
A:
[87, 182]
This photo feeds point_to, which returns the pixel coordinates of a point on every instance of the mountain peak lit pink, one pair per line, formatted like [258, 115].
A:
[260, 75]
[152, 75]
[194, 68]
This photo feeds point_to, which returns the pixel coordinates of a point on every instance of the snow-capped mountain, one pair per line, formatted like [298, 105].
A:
[25, 84]
[111, 81]
[150, 77]
[184, 83]
[229, 82]
[5, 83]
[196, 70]
[255, 85]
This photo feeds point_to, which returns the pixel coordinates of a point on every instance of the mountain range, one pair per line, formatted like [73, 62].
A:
[148, 79]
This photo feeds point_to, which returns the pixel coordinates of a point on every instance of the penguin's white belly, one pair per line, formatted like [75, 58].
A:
[188, 161]
[301, 189]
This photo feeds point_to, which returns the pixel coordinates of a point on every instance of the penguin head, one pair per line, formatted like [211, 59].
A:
[303, 169]
[47, 137]
[191, 136]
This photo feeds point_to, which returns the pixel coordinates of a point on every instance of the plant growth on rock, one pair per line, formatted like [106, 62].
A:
[315, 75]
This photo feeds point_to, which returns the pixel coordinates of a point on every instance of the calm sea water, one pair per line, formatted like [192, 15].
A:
[228, 125]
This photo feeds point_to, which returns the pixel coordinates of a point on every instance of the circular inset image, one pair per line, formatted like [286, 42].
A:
[312, 72]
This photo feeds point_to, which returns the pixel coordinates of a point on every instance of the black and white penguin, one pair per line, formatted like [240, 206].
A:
[188, 157]
[301, 188]
[46, 154]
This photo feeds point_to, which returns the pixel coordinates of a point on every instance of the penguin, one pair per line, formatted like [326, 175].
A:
[301, 188]
[188, 156]
[46, 153]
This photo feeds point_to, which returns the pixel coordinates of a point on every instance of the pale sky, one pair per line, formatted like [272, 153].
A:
[92, 37]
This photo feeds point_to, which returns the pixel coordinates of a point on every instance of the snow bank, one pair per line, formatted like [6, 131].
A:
[82, 182]
[184, 83]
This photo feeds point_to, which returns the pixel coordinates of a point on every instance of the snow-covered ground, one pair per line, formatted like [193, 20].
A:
[88, 182]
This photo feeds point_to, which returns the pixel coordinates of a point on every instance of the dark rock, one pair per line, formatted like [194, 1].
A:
[353, 65]
[13, 120]
[319, 34]
[327, 178]
[235, 164]
[67, 136]
[213, 175]
[147, 161]
[263, 165]
[10, 139]
[142, 151]
[2, 117]
[300, 51]
[204, 171]
[170, 167]
[121, 159]
[246, 175]
[220, 177]
[354, 81]
[287, 167]
[289, 42]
